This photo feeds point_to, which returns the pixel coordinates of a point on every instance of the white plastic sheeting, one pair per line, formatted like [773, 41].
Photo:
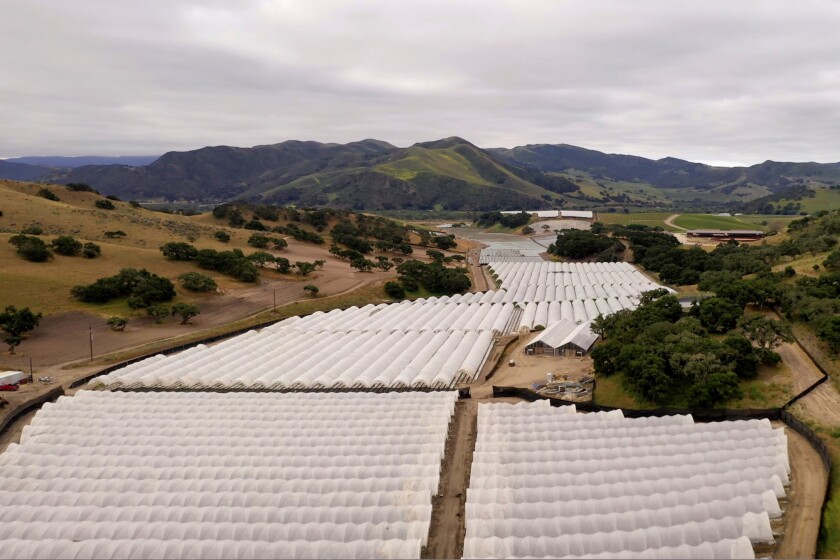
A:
[577, 292]
[377, 346]
[548, 482]
[233, 475]
[568, 281]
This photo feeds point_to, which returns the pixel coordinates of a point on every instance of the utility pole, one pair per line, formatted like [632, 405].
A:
[90, 339]
[274, 310]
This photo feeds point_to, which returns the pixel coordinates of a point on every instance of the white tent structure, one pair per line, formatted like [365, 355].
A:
[376, 346]
[234, 475]
[563, 338]
[548, 482]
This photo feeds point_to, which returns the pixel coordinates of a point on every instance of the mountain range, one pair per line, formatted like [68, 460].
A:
[447, 174]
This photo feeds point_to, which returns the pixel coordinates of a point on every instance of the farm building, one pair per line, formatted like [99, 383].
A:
[547, 482]
[537, 213]
[577, 214]
[563, 338]
[726, 234]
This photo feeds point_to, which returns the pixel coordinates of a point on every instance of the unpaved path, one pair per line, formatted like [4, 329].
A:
[805, 498]
[669, 221]
[448, 527]
[481, 281]
[805, 372]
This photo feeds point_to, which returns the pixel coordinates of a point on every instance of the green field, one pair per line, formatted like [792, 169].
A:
[710, 221]
[698, 221]
[651, 219]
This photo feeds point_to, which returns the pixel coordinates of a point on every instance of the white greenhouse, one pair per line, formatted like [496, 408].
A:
[236, 475]
[548, 482]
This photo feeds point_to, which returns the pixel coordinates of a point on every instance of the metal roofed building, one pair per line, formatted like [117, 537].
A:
[563, 338]
[727, 234]
[580, 214]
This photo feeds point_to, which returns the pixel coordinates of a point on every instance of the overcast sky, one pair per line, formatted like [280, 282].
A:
[733, 81]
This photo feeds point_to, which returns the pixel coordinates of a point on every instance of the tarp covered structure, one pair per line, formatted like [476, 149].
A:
[548, 482]
[561, 336]
[229, 475]
[406, 345]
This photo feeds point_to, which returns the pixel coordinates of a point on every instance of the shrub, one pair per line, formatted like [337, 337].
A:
[312, 289]
[31, 248]
[186, 310]
[104, 204]
[118, 324]
[91, 250]
[394, 290]
[259, 241]
[255, 225]
[282, 265]
[48, 194]
[448, 241]
[80, 187]
[260, 258]
[222, 236]
[114, 234]
[304, 268]
[278, 243]
[233, 263]
[158, 312]
[140, 286]
[34, 229]
[66, 245]
[197, 282]
[178, 251]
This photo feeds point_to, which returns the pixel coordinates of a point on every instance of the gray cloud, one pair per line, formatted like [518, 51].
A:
[711, 81]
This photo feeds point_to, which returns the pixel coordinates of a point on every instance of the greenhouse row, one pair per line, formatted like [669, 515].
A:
[489, 255]
[142, 549]
[425, 315]
[578, 311]
[568, 274]
[549, 482]
[281, 359]
[104, 474]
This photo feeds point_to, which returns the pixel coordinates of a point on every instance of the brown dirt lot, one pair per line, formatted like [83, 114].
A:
[63, 337]
[532, 369]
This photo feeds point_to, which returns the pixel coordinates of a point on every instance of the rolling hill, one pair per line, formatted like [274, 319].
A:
[453, 174]
[78, 161]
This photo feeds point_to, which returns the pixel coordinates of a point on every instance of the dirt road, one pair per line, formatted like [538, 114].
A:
[448, 527]
[805, 498]
[481, 281]
[669, 221]
[805, 372]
